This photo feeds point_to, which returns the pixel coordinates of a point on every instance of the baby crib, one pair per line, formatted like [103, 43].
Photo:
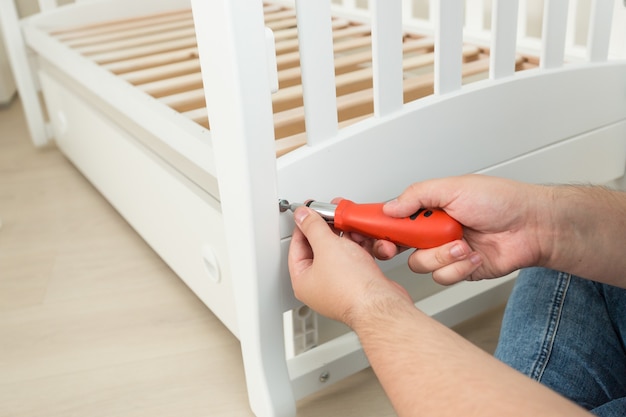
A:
[194, 119]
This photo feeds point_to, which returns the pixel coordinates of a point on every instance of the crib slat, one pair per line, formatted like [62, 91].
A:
[554, 33]
[504, 27]
[600, 30]
[318, 73]
[387, 55]
[448, 45]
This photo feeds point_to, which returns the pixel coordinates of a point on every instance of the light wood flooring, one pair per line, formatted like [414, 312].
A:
[93, 323]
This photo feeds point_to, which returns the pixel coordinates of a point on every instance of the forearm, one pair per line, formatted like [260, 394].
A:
[428, 370]
[588, 227]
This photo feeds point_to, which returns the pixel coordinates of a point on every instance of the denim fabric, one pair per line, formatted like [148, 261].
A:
[568, 333]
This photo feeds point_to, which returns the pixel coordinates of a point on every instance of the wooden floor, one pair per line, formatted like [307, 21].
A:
[93, 323]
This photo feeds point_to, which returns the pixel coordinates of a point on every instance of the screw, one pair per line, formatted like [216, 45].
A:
[324, 376]
[283, 205]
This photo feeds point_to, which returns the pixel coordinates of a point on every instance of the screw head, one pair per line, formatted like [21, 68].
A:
[324, 376]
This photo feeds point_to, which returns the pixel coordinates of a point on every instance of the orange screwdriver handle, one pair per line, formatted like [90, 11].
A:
[427, 228]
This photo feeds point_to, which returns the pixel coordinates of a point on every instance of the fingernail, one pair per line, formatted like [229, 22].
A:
[457, 251]
[392, 203]
[475, 258]
[300, 214]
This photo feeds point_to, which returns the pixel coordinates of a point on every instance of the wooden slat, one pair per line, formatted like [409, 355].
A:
[288, 144]
[291, 59]
[142, 51]
[121, 24]
[161, 72]
[139, 41]
[145, 62]
[173, 85]
[199, 115]
[281, 14]
[291, 45]
[130, 33]
[282, 24]
[185, 101]
[292, 33]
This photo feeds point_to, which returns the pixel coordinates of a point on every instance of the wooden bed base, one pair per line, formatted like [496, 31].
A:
[158, 54]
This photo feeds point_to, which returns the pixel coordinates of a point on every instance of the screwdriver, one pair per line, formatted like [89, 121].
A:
[426, 228]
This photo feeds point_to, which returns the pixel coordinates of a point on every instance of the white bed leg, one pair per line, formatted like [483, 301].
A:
[22, 73]
[231, 44]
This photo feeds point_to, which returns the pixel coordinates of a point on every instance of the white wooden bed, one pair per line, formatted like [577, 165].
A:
[194, 131]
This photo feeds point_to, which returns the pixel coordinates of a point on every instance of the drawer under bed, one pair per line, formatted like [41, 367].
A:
[180, 221]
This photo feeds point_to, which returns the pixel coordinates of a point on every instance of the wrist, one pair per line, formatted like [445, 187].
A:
[573, 224]
[377, 313]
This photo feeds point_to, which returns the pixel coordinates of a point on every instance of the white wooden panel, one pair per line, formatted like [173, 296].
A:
[600, 30]
[554, 33]
[387, 55]
[504, 37]
[448, 45]
[232, 32]
[560, 163]
[318, 69]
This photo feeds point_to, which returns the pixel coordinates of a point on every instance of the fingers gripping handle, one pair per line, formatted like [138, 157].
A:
[427, 228]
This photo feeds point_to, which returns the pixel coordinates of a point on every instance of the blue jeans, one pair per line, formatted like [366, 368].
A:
[569, 334]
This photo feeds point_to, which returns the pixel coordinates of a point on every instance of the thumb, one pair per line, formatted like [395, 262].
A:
[426, 194]
[312, 225]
